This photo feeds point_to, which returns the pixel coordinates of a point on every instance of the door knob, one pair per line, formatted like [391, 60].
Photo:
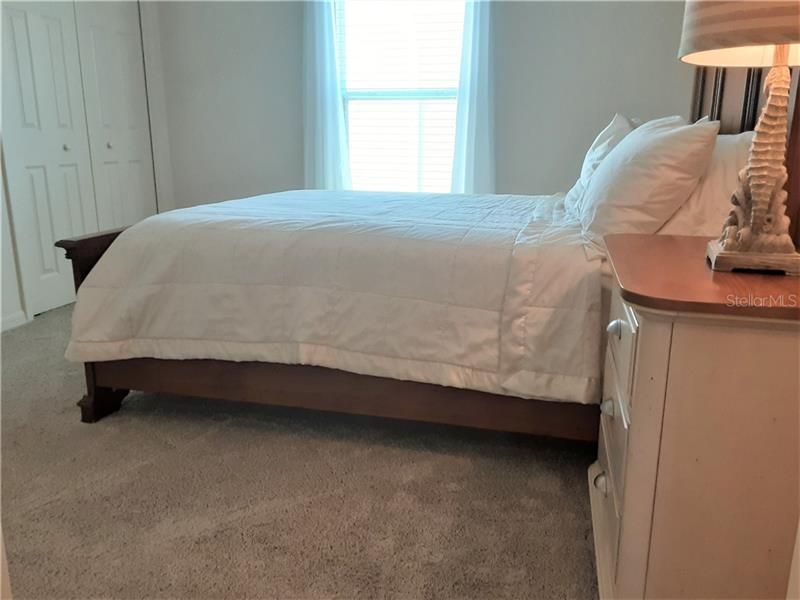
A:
[65, 147]
[109, 145]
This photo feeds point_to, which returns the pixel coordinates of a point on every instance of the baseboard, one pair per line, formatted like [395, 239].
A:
[13, 320]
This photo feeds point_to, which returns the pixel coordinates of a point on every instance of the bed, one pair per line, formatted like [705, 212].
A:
[488, 308]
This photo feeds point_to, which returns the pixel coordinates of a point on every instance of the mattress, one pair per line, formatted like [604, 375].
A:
[486, 292]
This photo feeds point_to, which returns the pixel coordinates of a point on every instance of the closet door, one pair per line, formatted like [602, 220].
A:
[116, 106]
[45, 146]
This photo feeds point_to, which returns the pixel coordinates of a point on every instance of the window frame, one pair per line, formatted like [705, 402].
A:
[379, 94]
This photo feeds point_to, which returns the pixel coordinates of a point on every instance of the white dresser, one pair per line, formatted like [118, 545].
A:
[695, 490]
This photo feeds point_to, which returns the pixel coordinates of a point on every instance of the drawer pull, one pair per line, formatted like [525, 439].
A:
[607, 407]
[615, 328]
[601, 483]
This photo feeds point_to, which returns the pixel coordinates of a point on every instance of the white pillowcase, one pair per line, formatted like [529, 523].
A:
[710, 203]
[606, 140]
[647, 177]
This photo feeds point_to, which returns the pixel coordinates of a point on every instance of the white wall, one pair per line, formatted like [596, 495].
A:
[563, 69]
[232, 74]
[157, 104]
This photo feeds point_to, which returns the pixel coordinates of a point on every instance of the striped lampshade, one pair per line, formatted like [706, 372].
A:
[739, 33]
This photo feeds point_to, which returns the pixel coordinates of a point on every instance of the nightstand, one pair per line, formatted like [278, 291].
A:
[695, 490]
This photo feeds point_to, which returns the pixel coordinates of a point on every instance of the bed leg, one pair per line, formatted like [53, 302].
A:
[101, 403]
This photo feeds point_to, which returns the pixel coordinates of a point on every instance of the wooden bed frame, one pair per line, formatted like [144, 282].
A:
[730, 95]
[107, 383]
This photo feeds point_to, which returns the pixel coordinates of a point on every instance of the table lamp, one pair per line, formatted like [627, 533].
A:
[752, 33]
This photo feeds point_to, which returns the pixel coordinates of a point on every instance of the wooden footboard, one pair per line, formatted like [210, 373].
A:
[86, 250]
[317, 388]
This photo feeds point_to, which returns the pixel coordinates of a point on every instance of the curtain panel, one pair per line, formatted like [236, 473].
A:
[473, 158]
[327, 164]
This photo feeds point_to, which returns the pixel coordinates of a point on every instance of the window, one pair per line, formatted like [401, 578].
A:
[399, 64]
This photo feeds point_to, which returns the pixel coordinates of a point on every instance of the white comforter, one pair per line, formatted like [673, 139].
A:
[490, 292]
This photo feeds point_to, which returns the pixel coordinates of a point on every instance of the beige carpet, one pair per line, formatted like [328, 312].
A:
[188, 498]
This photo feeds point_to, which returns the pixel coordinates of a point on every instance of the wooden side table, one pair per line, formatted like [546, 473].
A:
[695, 492]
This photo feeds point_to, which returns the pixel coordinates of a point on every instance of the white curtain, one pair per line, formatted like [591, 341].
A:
[473, 159]
[327, 164]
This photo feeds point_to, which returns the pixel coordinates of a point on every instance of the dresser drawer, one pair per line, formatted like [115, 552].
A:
[615, 423]
[604, 514]
[622, 332]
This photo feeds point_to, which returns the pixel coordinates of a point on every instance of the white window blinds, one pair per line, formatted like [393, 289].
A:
[399, 63]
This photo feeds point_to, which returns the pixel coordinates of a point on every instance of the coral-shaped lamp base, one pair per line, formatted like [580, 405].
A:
[720, 259]
[756, 233]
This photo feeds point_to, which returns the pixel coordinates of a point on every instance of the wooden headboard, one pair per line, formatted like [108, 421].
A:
[734, 96]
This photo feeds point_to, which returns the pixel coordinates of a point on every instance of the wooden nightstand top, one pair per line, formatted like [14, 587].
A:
[670, 273]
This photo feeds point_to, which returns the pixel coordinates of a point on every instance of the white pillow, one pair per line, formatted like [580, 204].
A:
[606, 140]
[647, 177]
[710, 202]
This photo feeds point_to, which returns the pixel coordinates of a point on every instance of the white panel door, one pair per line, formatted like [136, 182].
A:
[110, 44]
[45, 145]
